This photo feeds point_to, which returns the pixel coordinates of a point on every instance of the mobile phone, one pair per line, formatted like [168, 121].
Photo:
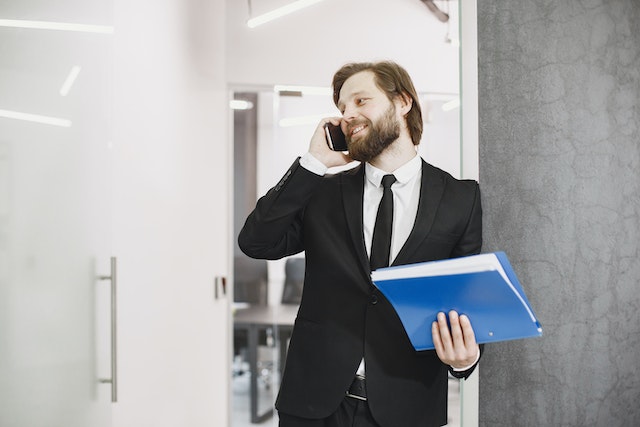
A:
[335, 137]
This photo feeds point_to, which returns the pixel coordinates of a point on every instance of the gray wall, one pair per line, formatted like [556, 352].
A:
[560, 171]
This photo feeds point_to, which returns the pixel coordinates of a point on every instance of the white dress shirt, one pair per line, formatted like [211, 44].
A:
[406, 194]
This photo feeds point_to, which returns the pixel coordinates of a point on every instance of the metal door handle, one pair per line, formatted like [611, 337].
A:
[114, 365]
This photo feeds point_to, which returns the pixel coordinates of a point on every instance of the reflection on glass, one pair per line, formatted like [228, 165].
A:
[54, 216]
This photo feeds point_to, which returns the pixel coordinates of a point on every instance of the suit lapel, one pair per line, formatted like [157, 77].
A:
[431, 190]
[352, 195]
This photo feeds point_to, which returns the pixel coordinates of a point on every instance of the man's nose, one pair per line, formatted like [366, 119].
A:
[349, 113]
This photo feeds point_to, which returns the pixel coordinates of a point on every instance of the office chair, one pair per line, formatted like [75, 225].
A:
[291, 294]
[250, 285]
[294, 281]
[250, 280]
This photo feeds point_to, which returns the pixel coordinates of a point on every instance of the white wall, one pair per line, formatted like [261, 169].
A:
[171, 222]
[307, 46]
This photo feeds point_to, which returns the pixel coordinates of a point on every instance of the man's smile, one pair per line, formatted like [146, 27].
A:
[357, 129]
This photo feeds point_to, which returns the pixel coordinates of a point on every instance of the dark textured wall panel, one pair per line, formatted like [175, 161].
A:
[559, 86]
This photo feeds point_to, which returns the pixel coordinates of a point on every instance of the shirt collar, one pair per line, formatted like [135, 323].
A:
[403, 174]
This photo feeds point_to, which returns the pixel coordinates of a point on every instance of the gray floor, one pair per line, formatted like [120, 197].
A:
[240, 416]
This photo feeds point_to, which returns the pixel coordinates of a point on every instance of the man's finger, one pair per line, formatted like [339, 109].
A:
[445, 335]
[456, 330]
[467, 330]
[437, 340]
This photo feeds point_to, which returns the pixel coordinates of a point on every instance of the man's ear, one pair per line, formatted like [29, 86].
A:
[405, 102]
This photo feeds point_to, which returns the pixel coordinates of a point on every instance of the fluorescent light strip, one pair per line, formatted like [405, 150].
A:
[281, 11]
[240, 104]
[437, 96]
[59, 26]
[36, 118]
[306, 90]
[70, 80]
[305, 120]
[451, 105]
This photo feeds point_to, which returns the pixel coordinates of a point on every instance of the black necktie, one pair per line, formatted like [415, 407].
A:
[381, 242]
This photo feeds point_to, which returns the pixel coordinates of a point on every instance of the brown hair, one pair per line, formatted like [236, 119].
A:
[392, 79]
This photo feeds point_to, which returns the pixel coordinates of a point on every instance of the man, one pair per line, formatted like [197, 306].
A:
[350, 361]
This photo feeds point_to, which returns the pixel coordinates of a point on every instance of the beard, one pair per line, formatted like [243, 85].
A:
[381, 135]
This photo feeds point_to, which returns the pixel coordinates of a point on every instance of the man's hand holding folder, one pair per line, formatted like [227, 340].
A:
[457, 346]
[483, 289]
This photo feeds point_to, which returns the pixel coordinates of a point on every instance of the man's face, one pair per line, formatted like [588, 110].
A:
[370, 120]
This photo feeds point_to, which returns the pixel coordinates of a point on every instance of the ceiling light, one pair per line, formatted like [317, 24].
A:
[36, 118]
[451, 105]
[60, 26]
[281, 11]
[240, 104]
[71, 78]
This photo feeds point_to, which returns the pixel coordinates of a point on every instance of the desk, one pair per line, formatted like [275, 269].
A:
[253, 319]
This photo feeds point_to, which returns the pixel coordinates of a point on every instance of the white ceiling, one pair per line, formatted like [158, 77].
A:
[307, 46]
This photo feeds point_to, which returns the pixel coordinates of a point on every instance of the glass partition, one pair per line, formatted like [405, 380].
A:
[265, 68]
[272, 126]
[55, 172]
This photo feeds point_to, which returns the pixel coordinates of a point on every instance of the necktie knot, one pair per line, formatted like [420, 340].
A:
[388, 180]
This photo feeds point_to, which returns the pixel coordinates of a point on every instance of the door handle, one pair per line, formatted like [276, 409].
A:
[114, 318]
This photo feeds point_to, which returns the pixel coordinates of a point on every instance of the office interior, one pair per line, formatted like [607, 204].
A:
[119, 201]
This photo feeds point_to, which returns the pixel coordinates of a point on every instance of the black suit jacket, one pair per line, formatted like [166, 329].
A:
[342, 317]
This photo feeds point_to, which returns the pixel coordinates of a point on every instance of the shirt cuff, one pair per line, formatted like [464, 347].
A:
[466, 368]
[312, 164]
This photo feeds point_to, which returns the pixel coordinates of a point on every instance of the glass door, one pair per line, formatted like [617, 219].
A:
[272, 126]
[55, 213]
[439, 52]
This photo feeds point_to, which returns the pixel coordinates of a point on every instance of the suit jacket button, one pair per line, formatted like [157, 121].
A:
[374, 299]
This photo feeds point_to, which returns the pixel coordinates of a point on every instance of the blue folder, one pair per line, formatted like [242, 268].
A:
[484, 287]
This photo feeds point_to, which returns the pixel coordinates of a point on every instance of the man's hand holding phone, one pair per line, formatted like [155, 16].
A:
[320, 146]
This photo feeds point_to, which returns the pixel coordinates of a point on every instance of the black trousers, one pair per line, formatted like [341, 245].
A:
[351, 413]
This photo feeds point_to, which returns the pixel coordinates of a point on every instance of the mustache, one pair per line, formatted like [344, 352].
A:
[353, 125]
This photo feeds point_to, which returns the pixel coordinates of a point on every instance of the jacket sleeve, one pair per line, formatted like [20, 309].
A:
[470, 242]
[274, 228]
[466, 374]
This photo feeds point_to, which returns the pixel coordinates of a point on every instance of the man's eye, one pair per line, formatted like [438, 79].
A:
[361, 101]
